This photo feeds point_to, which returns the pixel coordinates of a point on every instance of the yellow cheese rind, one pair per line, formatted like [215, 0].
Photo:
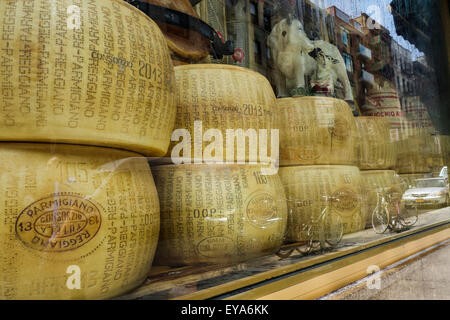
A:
[222, 97]
[316, 131]
[306, 190]
[62, 206]
[89, 72]
[418, 152]
[218, 213]
[376, 149]
[381, 182]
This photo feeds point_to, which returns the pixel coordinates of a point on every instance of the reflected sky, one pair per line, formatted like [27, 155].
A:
[377, 9]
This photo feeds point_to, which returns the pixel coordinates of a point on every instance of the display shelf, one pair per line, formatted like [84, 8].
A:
[264, 276]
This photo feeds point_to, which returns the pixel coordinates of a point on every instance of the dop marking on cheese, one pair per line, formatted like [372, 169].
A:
[58, 223]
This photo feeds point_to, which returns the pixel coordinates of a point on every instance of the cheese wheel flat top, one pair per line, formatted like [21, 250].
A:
[316, 131]
[63, 205]
[94, 73]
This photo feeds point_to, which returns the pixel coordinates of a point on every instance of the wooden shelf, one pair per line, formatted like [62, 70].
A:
[263, 277]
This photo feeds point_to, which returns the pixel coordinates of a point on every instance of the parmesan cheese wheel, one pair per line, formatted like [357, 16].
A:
[310, 189]
[380, 182]
[316, 130]
[384, 102]
[222, 97]
[218, 213]
[74, 210]
[415, 152]
[85, 72]
[376, 149]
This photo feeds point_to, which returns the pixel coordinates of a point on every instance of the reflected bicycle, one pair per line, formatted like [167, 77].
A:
[324, 232]
[397, 219]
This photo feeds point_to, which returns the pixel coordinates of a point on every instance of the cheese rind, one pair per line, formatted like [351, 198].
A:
[218, 213]
[376, 149]
[316, 131]
[311, 189]
[222, 98]
[418, 152]
[65, 208]
[88, 72]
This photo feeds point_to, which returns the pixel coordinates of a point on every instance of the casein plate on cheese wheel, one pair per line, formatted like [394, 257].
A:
[68, 210]
[218, 213]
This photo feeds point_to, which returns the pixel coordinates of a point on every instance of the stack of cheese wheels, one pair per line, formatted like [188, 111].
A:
[68, 211]
[218, 213]
[316, 131]
[222, 112]
[80, 75]
[92, 73]
[211, 211]
[311, 189]
[376, 149]
[378, 183]
[318, 153]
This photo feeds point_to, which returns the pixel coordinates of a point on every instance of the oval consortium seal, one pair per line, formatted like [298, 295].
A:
[216, 247]
[261, 209]
[58, 223]
[345, 201]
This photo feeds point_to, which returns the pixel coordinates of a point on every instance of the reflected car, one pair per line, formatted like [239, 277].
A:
[427, 192]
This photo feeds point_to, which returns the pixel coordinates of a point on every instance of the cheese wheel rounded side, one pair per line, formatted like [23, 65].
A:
[218, 213]
[91, 73]
[74, 210]
[311, 189]
[376, 150]
[222, 98]
[415, 152]
[316, 131]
